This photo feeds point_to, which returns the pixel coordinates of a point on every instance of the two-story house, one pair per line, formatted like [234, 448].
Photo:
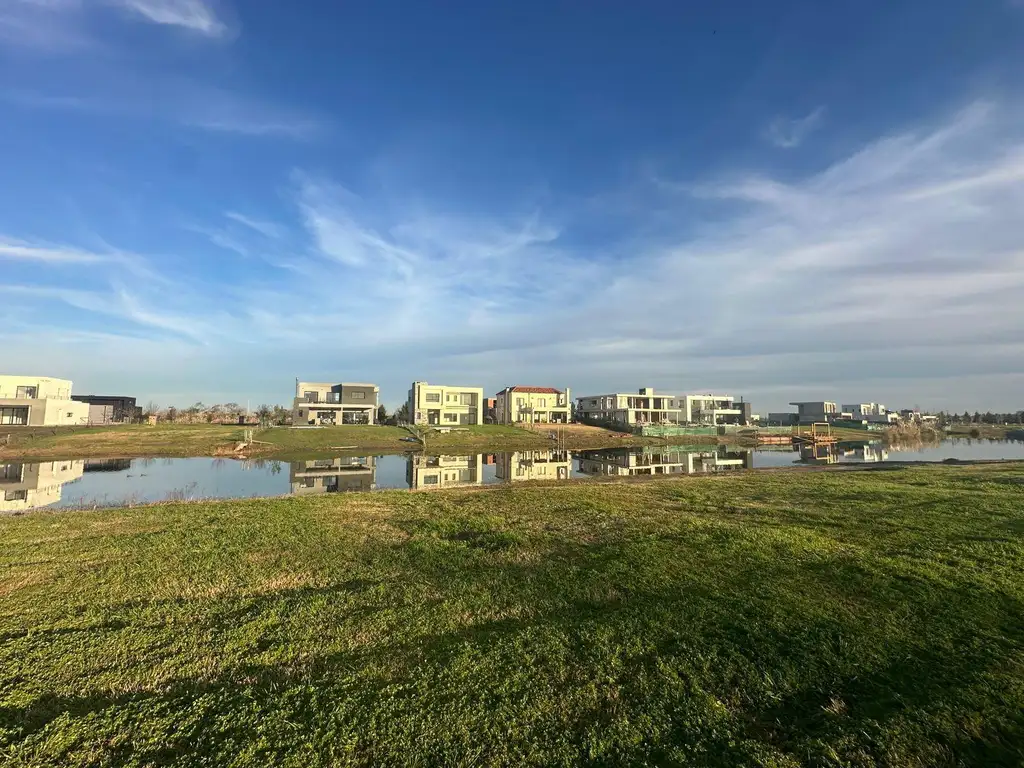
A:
[533, 405]
[318, 403]
[39, 401]
[441, 405]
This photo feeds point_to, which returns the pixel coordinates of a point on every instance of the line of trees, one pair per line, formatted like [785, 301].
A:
[220, 413]
[980, 418]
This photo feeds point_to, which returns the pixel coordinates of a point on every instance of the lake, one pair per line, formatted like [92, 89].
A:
[115, 482]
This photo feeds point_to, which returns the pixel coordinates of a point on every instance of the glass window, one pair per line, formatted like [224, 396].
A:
[433, 397]
[27, 393]
[468, 398]
[430, 479]
[358, 395]
[15, 495]
[451, 417]
[10, 472]
[14, 416]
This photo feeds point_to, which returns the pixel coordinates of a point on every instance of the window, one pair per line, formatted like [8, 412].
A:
[430, 479]
[467, 398]
[15, 495]
[433, 397]
[358, 395]
[310, 397]
[454, 417]
[10, 472]
[519, 402]
[14, 416]
[543, 403]
[26, 393]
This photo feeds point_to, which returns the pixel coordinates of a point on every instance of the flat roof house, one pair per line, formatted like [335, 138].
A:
[533, 405]
[442, 405]
[424, 472]
[39, 401]
[715, 409]
[325, 404]
[642, 407]
[815, 411]
[534, 465]
[111, 409]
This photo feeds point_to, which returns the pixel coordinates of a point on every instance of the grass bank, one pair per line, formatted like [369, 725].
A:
[131, 440]
[818, 618]
[989, 431]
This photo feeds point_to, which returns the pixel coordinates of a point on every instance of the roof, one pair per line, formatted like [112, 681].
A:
[535, 390]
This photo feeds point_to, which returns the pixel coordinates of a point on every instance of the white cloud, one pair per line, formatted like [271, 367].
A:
[265, 228]
[14, 249]
[789, 133]
[194, 15]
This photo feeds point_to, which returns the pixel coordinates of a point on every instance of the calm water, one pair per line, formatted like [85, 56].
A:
[87, 483]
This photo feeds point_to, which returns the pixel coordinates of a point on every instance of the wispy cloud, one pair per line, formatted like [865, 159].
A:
[789, 133]
[265, 228]
[193, 15]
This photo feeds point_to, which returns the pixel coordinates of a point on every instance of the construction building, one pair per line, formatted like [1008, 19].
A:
[533, 405]
[39, 401]
[111, 409]
[715, 410]
[629, 409]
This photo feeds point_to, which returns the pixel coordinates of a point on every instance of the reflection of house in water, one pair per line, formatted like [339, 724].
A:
[669, 460]
[443, 471]
[534, 465]
[28, 486]
[107, 465]
[345, 473]
[869, 452]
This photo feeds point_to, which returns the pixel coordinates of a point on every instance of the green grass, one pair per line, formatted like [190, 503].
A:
[868, 618]
[214, 439]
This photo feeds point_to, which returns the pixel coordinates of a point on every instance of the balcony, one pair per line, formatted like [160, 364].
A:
[322, 398]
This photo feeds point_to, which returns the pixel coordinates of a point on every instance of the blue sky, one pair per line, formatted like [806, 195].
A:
[789, 200]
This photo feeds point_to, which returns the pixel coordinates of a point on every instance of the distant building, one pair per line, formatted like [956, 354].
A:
[815, 411]
[39, 401]
[781, 419]
[445, 406]
[628, 409]
[318, 403]
[715, 409]
[110, 409]
[873, 413]
[30, 486]
[533, 405]
[490, 410]
[423, 472]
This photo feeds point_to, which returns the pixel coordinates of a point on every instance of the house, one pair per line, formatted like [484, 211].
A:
[534, 465]
[349, 473]
[815, 411]
[533, 405]
[39, 401]
[443, 471]
[715, 409]
[628, 409]
[781, 419]
[30, 486]
[872, 413]
[111, 409]
[318, 403]
[445, 406]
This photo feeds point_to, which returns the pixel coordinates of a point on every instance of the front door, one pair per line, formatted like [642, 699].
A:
[434, 417]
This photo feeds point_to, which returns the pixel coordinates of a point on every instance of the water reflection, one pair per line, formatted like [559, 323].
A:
[443, 471]
[118, 482]
[29, 486]
[664, 460]
[349, 473]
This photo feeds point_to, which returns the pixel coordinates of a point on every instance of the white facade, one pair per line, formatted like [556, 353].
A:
[644, 407]
[39, 401]
[30, 486]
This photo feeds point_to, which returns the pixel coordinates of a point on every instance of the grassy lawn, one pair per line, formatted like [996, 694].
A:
[213, 439]
[816, 618]
[990, 431]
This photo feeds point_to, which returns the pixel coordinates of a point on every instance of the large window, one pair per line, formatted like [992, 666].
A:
[433, 397]
[310, 397]
[467, 398]
[15, 495]
[357, 395]
[26, 393]
[454, 417]
[11, 472]
[14, 416]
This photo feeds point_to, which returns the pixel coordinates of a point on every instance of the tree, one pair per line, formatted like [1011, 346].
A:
[264, 412]
[172, 414]
[382, 414]
[151, 408]
[401, 416]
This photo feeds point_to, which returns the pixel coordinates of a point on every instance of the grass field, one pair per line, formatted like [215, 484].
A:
[212, 439]
[861, 618]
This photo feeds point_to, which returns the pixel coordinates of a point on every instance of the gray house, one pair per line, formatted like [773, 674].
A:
[319, 403]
